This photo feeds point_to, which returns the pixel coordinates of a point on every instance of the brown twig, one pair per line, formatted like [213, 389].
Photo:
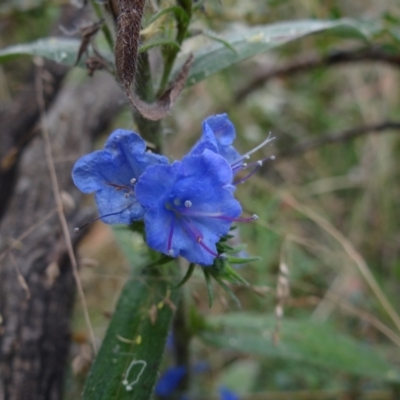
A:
[306, 63]
[337, 137]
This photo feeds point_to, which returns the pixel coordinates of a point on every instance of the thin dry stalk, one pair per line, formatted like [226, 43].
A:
[20, 277]
[351, 252]
[58, 199]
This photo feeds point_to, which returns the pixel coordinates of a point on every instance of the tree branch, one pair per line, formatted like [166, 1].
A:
[338, 137]
[306, 63]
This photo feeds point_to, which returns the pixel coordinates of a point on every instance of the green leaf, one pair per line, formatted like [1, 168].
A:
[238, 46]
[128, 361]
[63, 51]
[179, 13]
[157, 42]
[300, 340]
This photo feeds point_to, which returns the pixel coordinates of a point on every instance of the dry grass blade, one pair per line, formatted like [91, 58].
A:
[21, 279]
[58, 198]
[351, 252]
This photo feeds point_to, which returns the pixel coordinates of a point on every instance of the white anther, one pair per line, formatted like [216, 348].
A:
[259, 163]
[272, 158]
[132, 181]
[244, 165]
[254, 217]
[246, 157]
[171, 252]
[223, 256]
[76, 229]
[188, 203]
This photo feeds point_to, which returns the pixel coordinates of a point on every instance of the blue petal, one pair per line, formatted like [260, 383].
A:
[115, 208]
[109, 173]
[226, 394]
[132, 148]
[225, 134]
[207, 141]
[155, 183]
[169, 381]
[222, 127]
[96, 170]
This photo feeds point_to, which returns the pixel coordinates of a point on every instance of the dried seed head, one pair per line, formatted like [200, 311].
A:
[128, 39]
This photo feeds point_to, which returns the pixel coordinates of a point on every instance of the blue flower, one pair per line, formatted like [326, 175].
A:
[218, 136]
[189, 206]
[226, 394]
[112, 174]
[169, 381]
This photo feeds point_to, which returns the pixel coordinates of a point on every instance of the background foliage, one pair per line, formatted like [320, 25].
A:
[325, 83]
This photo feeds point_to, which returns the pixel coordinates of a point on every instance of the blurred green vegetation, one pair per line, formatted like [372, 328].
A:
[329, 215]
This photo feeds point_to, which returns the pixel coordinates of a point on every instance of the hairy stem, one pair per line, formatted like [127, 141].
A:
[149, 130]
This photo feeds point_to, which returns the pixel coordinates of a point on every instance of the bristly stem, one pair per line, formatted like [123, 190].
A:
[170, 53]
[149, 130]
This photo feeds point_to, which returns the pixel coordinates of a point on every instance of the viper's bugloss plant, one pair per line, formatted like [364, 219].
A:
[187, 206]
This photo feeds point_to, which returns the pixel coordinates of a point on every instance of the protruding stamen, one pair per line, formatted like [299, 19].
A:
[133, 181]
[170, 236]
[206, 248]
[249, 153]
[188, 203]
[254, 217]
[197, 235]
[256, 166]
[121, 187]
[77, 229]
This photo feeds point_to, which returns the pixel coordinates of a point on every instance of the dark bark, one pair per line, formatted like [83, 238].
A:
[19, 120]
[34, 329]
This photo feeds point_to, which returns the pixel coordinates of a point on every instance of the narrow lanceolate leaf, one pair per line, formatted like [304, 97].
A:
[242, 44]
[61, 50]
[300, 340]
[128, 361]
[127, 41]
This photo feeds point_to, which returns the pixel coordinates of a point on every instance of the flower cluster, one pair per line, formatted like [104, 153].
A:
[187, 206]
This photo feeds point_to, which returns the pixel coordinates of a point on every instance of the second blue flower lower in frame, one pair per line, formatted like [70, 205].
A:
[189, 206]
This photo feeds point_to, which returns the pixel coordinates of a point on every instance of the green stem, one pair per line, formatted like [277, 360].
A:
[182, 339]
[149, 130]
[107, 33]
[170, 52]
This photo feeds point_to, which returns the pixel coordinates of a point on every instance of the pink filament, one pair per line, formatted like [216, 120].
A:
[171, 234]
